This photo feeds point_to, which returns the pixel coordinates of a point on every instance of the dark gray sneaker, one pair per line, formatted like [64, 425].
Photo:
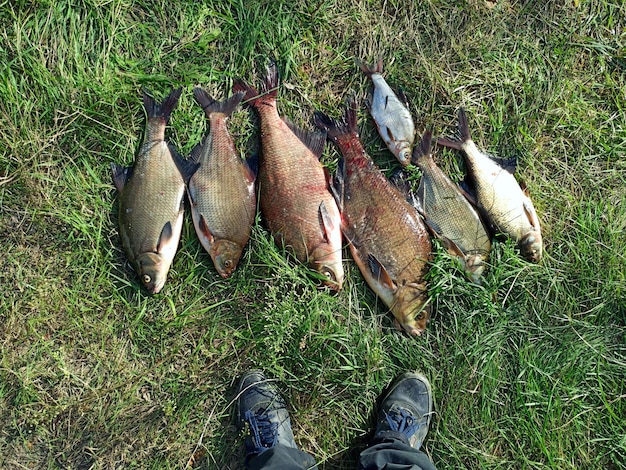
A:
[406, 410]
[263, 411]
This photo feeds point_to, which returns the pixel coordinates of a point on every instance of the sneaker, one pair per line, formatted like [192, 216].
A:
[263, 411]
[406, 410]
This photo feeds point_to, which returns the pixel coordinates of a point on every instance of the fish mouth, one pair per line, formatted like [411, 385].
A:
[531, 246]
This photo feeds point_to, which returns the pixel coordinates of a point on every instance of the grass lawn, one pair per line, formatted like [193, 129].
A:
[528, 370]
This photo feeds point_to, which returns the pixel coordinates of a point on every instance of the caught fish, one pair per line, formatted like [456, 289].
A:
[448, 213]
[295, 200]
[151, 198]
[499, 196]
[391, 115]
[221, 191]
[388, 240]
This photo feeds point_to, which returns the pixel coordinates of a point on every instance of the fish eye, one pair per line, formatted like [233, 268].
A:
[146, 279]
[228, 263]
[329, 274]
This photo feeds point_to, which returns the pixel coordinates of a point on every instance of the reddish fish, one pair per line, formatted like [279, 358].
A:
[295, 200]
[387, 237]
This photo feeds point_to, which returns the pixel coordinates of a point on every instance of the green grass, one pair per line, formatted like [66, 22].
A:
[528, 370]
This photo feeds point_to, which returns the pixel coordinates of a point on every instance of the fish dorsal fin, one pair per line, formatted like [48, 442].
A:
[328, 224]
[204, 228]
[314, 140]
[165, 237]
[186, 167]
[380, 273]
[509, 164]
[399, 180]
[403, 98]
[121, 174]
[417, 200]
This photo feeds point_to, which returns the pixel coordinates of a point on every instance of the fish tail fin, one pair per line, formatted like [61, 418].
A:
[270, 87]
[336, 127]
[423, 150]
[370, 70]
[211, 105]
[271, 79]
[462, 136]
[165, 108]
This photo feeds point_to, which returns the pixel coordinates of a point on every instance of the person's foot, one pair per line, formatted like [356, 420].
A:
[406, 410]
[263, 411]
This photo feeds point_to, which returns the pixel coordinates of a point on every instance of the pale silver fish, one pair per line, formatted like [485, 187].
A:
[391, 115]
[499, 195]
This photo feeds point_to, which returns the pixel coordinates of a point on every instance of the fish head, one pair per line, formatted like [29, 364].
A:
[330, 266]
[531, 246]
[410, 310]
[152, 271]
[225, 255]
[475, 266]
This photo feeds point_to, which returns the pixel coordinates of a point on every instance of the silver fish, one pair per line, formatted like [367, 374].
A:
[499, 196]
[221, 191]
[151, 198]
[391, 115]
[447, 212]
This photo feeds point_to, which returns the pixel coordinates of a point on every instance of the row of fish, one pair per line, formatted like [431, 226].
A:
[307, 211]
[452, 214]
[219, 184]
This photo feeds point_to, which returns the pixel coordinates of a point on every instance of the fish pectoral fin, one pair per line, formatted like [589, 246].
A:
[531, 214]
[380, 273]
[328, 224]
[452, 247]
[204, 228]
[120, 175]
[165, 237]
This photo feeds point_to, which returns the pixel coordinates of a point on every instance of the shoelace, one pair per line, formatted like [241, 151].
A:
[264, 432]
[402, 421]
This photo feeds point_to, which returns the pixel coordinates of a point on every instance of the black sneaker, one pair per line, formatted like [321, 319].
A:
[406, 410]
[263, 410]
